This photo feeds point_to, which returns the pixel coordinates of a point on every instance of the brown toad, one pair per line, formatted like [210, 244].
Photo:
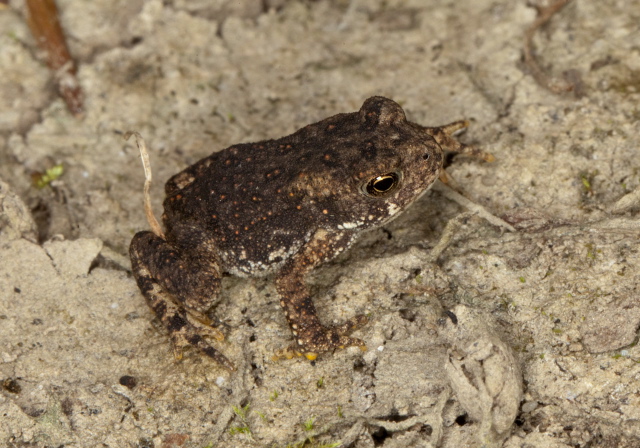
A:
[284, 207]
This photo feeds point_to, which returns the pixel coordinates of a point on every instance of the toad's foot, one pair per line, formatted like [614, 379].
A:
[314, 338]
[186, 331]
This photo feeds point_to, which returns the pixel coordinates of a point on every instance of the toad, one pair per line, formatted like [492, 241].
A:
[284, 207]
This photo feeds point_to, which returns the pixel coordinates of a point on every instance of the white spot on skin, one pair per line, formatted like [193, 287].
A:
[350, 225]
[392, 209]
[281, 252]
[256, 267]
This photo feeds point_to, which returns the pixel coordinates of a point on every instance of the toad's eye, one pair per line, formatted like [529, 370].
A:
[381, 185]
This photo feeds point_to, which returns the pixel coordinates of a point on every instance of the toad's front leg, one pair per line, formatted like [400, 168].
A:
[311, 337]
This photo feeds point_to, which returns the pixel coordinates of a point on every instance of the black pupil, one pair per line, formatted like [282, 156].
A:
[384, 183]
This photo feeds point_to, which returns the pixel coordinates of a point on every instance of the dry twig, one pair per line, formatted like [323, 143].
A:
[146, 165]
[449, 193]
[544, 15]
[46, 29]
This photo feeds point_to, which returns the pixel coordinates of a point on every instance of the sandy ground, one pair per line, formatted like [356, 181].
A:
[550, 308]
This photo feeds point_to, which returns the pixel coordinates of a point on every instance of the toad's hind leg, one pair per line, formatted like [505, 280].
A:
[178, 290]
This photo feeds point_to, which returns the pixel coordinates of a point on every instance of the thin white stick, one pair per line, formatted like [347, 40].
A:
[472, 206]
[146, 165]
